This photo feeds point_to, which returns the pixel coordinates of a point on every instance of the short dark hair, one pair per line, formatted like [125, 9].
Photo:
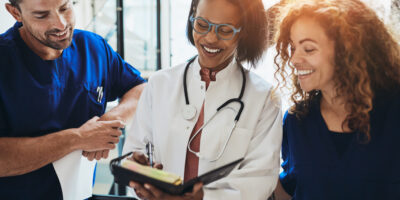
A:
[254, 29]
[15, 3]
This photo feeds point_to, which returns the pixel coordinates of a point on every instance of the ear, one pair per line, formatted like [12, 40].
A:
[14, 11]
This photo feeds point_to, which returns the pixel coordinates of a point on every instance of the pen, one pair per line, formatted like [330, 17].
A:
[150, 149]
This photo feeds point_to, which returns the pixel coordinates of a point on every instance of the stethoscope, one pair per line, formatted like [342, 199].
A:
[189, 111]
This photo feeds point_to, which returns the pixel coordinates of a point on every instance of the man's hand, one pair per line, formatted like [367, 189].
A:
[150, 192]
[97, 135]
[101, 153]
[96, 154]
[124, 111]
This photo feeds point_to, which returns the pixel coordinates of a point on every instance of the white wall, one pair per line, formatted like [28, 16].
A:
[6, 19]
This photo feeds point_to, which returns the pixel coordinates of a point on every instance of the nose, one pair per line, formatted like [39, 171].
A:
[211, 36]
[60, 22]
[295, 58]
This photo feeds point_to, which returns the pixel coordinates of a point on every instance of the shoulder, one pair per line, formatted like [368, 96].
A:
[9, 48]
[87, 38]
[259, 87]
[387, 101]
[167, 75]
[7, 39]
[289, 118]
[84, 35]
[258, 83]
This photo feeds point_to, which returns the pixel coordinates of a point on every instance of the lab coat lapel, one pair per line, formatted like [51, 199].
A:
[180, 128]
[227, 86]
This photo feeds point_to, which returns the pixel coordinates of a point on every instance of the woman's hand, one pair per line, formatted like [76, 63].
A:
[150, 192]
[139, 157]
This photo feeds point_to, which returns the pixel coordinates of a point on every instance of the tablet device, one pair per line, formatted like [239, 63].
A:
[122, 176]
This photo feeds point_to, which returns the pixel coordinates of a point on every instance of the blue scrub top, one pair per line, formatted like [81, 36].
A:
[38, 97]
[313, 168]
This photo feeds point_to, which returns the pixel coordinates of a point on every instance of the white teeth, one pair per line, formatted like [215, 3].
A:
[304, 72]
[212, 50]
[62, 33]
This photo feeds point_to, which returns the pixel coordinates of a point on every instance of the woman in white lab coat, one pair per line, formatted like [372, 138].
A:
[177, 111]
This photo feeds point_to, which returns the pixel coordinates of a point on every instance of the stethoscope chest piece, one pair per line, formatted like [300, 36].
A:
[188, 112]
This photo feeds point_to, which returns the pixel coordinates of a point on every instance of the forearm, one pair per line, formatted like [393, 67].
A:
[127, 105]
[124, 111]
[280, 193]
[23, 155]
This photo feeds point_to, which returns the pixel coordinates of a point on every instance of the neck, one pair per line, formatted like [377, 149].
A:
[218, 67]
[43, 51]
[332, 102]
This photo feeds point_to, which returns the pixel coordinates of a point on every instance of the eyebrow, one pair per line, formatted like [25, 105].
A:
[65, 3]
[40, 12]
[307, 40]
[217, 23]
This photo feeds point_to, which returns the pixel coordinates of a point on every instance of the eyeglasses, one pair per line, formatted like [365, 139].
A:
[223, 31]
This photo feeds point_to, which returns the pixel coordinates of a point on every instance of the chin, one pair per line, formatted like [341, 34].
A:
[306, 89]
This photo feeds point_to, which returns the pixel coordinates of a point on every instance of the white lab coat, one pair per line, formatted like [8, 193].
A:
[257, 136]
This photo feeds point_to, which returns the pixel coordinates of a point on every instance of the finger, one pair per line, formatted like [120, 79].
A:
[154, 191]
[132, 184]
[143, 191]
[84, 153]
[91, 155]
[115, 132]
[94, 119]
[98, 155]
[109, 146]
[112, 132]
[158, 166]
[140, 158]
[114, 123]
[135, 185]
[105, 153]
[197, 187]
[138, 194]
[113, 140]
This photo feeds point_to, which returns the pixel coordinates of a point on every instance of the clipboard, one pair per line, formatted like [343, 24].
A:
[123, 176]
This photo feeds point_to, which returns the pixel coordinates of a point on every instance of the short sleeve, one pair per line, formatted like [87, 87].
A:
[122, 75]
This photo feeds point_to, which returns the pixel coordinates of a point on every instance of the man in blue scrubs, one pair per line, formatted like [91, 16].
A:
[55, 83]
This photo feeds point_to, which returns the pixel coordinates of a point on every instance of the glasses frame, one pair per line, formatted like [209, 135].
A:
[210, 25]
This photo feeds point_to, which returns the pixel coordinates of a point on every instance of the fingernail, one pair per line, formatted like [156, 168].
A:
[147, 186]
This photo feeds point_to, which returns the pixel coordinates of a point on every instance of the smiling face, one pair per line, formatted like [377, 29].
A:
[214, 52]
[50, 23]
[312, 55]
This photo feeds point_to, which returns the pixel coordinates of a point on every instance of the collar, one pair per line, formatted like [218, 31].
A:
[224, 73]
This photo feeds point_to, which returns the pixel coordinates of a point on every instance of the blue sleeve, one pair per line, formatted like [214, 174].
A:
[286, 177]
[122, 75]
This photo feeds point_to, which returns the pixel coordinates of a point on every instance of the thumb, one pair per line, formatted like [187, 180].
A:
[197, 187]
[94, 119]
[158, 166]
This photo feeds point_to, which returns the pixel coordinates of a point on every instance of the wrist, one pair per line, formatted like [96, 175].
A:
[74, 139]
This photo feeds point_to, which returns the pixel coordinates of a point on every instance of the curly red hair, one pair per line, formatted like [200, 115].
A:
[367, 56]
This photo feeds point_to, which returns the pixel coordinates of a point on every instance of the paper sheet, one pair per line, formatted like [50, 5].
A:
[75, 174]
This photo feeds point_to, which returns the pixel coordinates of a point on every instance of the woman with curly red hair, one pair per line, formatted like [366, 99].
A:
[341, 135]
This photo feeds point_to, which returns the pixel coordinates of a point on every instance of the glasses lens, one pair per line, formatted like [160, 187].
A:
[200, 26]
[225, 32]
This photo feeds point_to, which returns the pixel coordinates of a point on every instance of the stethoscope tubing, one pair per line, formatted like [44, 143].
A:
[238, 99]
[229, 101]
